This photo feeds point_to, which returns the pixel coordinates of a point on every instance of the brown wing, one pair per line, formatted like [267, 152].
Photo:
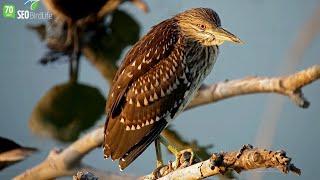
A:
[147, 91]
[144, 55]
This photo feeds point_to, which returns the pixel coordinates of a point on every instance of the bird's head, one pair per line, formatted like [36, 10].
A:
[204, 25]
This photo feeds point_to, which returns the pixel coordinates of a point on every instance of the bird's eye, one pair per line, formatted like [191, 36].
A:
[202, 26]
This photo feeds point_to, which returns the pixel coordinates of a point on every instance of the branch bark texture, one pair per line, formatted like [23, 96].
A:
[246, 159]
[286, 85]
[66, 162]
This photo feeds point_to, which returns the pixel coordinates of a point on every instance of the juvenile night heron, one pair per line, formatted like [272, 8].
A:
[157, 79]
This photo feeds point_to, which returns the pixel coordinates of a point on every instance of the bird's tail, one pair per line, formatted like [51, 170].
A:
[127, 145]
[137, 149]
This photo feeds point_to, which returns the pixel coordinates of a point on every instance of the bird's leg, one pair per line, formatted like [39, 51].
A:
[178, 152]
[158, 153]
[159, 158]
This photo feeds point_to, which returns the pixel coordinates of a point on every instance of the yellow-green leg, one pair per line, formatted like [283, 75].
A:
[158, 153]
[177, 152]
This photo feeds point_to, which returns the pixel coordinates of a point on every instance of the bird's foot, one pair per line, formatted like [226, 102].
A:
[159, 163]
[185, 158]
[158, 172]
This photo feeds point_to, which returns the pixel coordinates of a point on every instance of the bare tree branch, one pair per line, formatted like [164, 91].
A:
[286, 85]
[246, 159]
[67, 162]
[84, 176]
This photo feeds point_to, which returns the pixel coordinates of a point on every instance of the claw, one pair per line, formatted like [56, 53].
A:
[188, 154]
[156, 173]
[184, 158]
[159, 164]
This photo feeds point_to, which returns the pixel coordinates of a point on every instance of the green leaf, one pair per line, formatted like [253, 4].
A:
[35, 5]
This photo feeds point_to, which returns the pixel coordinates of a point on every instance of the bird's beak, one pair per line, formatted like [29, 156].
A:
[224, 35]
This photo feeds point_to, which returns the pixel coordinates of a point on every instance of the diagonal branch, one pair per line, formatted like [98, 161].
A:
[246, 159]
[66, 162]
[286, 85]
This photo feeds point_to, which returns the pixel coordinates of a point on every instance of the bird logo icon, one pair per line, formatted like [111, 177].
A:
[34, 4]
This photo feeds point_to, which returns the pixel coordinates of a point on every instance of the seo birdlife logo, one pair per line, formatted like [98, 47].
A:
[9, 11]
[34, 4]
[25, 14]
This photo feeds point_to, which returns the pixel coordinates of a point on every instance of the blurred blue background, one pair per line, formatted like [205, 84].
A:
[269, 28]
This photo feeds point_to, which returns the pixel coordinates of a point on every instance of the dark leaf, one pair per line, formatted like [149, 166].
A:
[66, 110]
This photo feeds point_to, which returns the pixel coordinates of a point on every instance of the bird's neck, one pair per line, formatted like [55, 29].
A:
[200, 58]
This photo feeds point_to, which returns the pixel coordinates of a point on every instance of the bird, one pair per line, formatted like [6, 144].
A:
[157, 79]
